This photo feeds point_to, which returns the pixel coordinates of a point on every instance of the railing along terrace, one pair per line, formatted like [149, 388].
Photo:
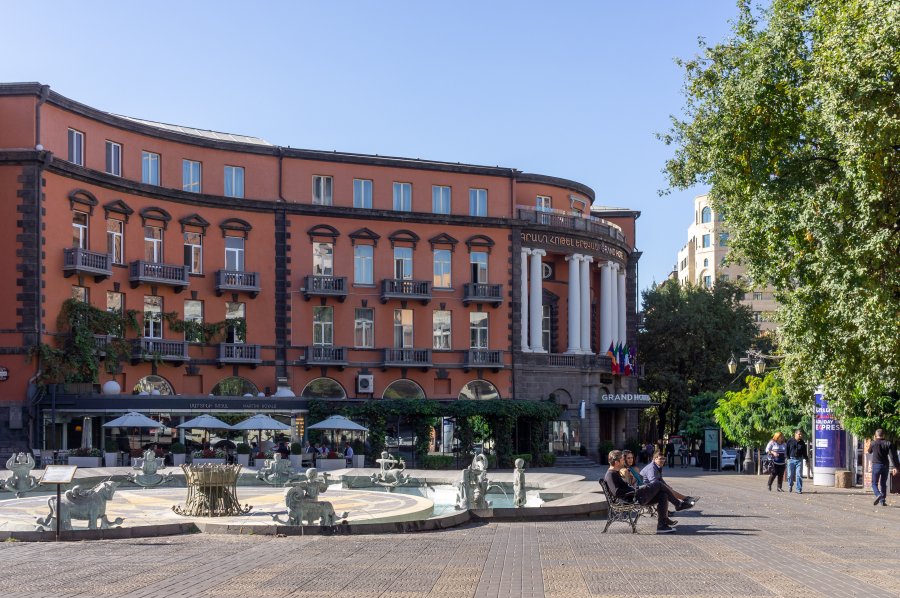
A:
[142, 271]
[239, 353]
[483, 292]
[492, 358]
[326, 354]
[401, 357]
[237, 280]
[83, 260]
[405, 288]
[560, 219]
[172, 350]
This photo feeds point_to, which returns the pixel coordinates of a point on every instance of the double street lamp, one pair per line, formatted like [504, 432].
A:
[755, 364]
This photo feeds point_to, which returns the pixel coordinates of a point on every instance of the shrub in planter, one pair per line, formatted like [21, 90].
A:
[524, 456]
[242, 448]
[296, 448]
[177, 448]
[437, 462]
[110, 446]
[548, 459]
[604, 448]
[358, 447]
[85, 452]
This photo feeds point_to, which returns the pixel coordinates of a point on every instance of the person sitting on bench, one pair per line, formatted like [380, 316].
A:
[654, 471]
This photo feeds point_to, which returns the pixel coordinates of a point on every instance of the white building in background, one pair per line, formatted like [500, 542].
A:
[702, 262]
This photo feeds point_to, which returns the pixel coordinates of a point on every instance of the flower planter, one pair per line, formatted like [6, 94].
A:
[85, 461]
[243, 460]
[110, 459]
[178, 459]
[359, 460]
[199, 461]
[330, 464]
[295, 461]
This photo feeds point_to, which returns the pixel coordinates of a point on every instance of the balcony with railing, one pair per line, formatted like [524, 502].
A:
[404, 289]
[326, 355]
[484, 358]
[83, 261]
[479, 292]
[325, 286]
[602, 363]
[157, 348]
[236, 281]
[239, 353]
[172, 275]
[407, 358]
[560, 219]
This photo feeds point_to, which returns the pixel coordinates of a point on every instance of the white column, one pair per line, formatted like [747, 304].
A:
[614, 303]
[536, 306]
[605, 307]
[586, 303]
[574, 303]
[523, 299]
[621, 311]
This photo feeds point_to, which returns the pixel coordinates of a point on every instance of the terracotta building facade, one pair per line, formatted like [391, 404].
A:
[333, 276]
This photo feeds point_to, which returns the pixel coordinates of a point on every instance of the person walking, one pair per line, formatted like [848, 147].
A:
[884, 457]
[797, 454]
[777, 450]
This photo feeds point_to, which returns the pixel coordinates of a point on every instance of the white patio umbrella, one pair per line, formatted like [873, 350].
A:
[205, 422]
[260, 422]
[87, 433]
[133, 419]
[338, 422]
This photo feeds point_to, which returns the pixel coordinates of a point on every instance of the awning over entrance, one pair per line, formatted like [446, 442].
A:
[628, 401]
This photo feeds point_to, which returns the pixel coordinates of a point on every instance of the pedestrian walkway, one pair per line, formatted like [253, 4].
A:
[740, 541]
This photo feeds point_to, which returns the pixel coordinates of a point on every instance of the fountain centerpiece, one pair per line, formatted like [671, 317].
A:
[212, 491]
[302, 501]
[391, 474]
[471, 490]
[21, 480]
[519, 497]
[277, 471]
[146, 475]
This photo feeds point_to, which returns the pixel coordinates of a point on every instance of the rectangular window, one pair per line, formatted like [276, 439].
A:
[113, 158]
[234, 181]
[234, 254]
[442, 268]
[193, 252]
[723, 239]
[707, 281]
[440, 199]
[115, 240]
[362, 193]
[363, 262]
[544, 203]
[152, 316]
[479, 262]
[545, 328]
[403, 264]
[234, 332]
[757, 295]
[323, 326]
[322, 195]
[76, 147]
[478, 329]
[80, 230]
[150, 168]
[190, 176]
[80, 294]
[403, 329]
[115, 304]
[364, 328]
[193, 313]
[440, 324]
[477, 202]
[403, 197]
[323, 259]
[706, 240]
[153, 244]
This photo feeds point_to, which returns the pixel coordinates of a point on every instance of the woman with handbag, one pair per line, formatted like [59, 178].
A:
[777, 451]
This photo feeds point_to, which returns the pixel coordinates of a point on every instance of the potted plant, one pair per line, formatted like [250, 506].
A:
[178, 453]
[216, 457]
[110, 453]
[243, 454]
[296, 454]
[85, 457]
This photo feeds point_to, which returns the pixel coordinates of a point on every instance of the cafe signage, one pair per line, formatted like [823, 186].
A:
[565, 241]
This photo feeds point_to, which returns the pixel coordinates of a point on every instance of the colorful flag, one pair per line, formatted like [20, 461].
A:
[612, 355]
[627, 365]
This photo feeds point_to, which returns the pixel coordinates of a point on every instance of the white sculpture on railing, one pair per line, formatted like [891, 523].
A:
[21, 480]
[148, 467]
[471, 490]
[79, 503]
[519, 497]
[391, 474]
[303, 504]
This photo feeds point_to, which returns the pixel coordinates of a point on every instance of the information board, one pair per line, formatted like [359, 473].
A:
[58, 474]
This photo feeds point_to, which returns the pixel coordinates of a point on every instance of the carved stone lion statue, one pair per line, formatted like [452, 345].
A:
[79, 503]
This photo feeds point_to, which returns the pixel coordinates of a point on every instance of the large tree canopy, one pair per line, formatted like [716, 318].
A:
[794, 122]
[751, 416]
[688, 335]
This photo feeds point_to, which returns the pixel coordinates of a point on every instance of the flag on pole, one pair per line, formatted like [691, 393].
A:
[612, 355]
[626, 366]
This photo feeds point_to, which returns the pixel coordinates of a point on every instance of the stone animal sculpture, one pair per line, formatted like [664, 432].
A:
[303, 505]
[148, 477]
[277, 471]
[391, 474]
[21, 480]
[82, 504]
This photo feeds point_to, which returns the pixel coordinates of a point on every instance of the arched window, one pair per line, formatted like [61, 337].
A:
[403, 389]
[235, 386]
[478, 390]
[706, 215]
[323, 388]
[153, 385]
[706, 262]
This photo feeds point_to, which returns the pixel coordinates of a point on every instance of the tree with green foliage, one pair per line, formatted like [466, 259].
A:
[689, 333]
[699, 415]
[795, 125]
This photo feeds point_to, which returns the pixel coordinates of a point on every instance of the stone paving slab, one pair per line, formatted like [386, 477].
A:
[741, 541]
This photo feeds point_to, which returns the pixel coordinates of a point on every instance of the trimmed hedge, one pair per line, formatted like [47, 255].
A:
[524, 456]
[548, 459]
[437, 462]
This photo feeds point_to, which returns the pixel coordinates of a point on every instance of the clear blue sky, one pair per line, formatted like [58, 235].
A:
[570, 89]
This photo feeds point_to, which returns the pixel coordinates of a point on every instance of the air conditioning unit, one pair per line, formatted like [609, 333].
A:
[365, 384]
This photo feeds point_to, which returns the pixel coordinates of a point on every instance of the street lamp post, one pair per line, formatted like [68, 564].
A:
[755, 364]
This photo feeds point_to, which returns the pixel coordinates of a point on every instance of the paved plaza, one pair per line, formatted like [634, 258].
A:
[740, 541]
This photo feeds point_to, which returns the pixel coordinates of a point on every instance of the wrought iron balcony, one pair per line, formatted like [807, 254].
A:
[172, 275]
[157, 348]
[236, 281]
[484, 358]
[325, 286]
[601, 363]
[479, 292]
[82, 261]
[404, 289]
[559, 219]
[238, 353]
[407, 358]
[326, 355]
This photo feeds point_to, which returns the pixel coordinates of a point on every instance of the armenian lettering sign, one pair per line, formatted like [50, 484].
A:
[589, 245]
[831, 439]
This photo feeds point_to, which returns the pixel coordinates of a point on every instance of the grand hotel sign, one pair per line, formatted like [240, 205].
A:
[556, 241]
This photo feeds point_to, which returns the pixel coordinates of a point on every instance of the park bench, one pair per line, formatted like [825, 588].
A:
[622, 510]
